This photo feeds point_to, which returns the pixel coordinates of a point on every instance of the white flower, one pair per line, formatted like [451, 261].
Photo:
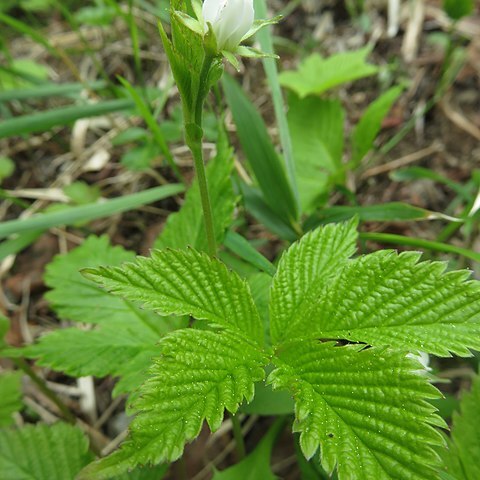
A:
[424, 359]
[230, 20]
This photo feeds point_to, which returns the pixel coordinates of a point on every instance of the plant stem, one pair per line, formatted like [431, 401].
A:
[196, 148]
[237, 435]
[194, 138]
[66, 413]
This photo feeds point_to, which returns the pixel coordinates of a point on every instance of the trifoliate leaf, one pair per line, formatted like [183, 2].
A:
[11, 396]
[365, 409]
[303, 272]
[123, 342]
[316, 75]
[185, 282]
[462, 458]
[198, 375]
[186, 228]
[390, 299]
[43, 452]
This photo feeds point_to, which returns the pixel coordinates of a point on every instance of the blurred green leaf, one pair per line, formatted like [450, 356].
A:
[133, 134]
[256, 465]
[316, 75]
[316, 127]
[260, 152]
[10, 386]
[140, 157]
[269, 402]
[9, 81]
[81, 193]
[456, 9]
[240, 245]
[7, 167]
[366, 130]
[462, 457]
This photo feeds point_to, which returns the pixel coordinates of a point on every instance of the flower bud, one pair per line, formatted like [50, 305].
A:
[230, 21]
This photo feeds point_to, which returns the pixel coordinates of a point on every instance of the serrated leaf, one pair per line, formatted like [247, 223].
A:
[387, 298]
[122, 343]
[316, 75]
[303, 272]
[198, 375]
[462, 459]
[185, 282]
[364, 408]
[11, 396]
[43, 452]
[186, 227]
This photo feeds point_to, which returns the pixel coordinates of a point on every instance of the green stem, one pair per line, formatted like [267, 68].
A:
[194, 136]
[196, 148]
[237, 435]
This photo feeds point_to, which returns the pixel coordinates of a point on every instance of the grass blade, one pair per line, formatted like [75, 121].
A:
[89, 212]
[43, 121]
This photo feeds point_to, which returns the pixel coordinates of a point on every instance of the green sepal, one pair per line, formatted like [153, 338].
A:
[197, 8]
[191, 23]
[259, 24]
[251, 52]
[232, 59]
[210, 41]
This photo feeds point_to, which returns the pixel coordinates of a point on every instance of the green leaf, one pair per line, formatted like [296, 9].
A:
[367, 128]
[4, 327]
[364, 408]
[89, 212]
[7, 167]
[242, 247]
[456, 9]
[43, 452]
[198, 375]
[256, 465]
[303, 272]
[81, 193]
[316, 127]
[10, 386]
[44, 121]
[384, 212]
[185, 282]
[316, 75]
[123, 342]
[389, 299]
[186, 228]
[463, 456]
[269, 402]
[260, 152]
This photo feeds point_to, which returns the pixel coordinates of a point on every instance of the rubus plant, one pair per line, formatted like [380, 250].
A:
[341, 333]
[191, 339]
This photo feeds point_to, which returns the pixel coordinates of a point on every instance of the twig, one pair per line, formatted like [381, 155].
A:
[435, 147]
